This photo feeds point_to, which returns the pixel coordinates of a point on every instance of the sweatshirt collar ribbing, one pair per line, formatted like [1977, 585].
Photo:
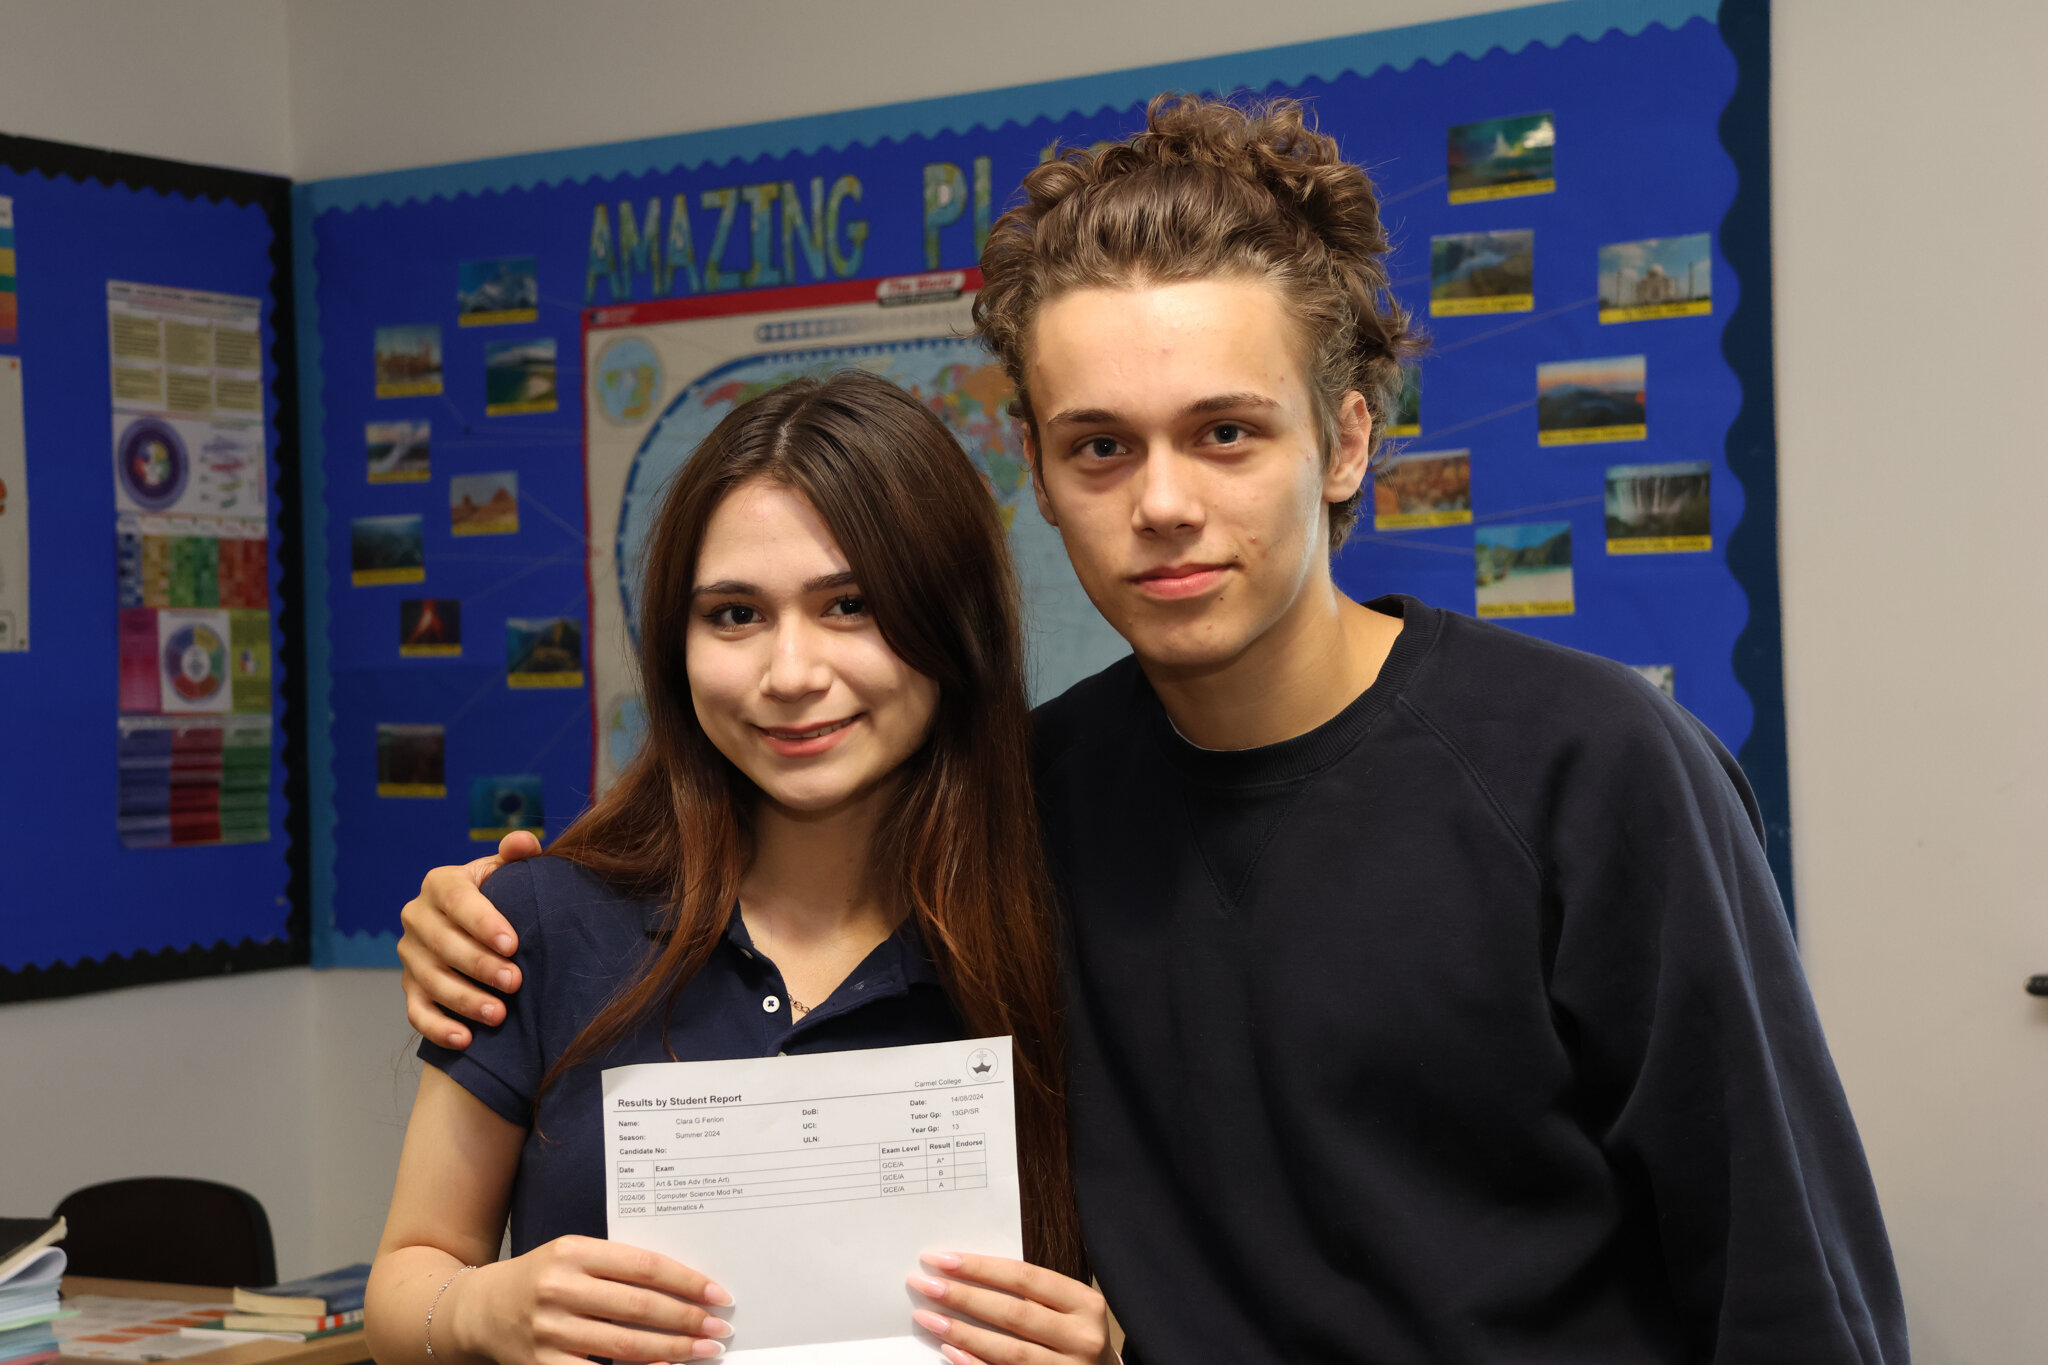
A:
[1310, 752]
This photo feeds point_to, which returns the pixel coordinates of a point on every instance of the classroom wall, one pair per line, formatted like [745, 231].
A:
[1909, 338]
[196, 80]
[1911, 343]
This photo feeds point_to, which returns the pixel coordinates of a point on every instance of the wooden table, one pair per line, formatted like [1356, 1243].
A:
[342, 1350]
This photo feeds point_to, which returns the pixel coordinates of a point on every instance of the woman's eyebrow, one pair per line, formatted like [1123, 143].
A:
[725, 587]
[732, 587]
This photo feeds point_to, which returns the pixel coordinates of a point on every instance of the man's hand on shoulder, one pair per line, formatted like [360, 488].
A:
[454, 938]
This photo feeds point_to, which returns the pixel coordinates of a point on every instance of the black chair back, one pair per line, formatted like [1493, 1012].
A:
[169, 1229]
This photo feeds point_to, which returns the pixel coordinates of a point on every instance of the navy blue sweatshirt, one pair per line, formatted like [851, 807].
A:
[1466, 1027]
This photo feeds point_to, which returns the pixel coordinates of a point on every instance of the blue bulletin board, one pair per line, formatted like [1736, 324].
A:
[152, 814]
[501, 359]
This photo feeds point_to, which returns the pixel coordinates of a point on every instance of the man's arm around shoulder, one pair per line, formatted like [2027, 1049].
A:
[454, 939]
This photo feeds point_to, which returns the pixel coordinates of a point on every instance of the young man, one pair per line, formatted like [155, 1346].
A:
[1429, 999]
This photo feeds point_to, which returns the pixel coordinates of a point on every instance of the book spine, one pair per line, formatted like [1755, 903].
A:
[276, 1322]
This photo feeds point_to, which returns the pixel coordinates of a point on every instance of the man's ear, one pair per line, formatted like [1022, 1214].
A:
[1034, 461]
[1345, 473]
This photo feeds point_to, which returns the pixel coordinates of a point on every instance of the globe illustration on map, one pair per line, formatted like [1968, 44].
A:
[628, 380]
[959, 381]
[625, 726]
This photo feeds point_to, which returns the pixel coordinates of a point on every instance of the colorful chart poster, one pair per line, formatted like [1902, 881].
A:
[190, 780]
[249, 662]
[192, 661]
[13, 510]
[192, 536]
[177, 561]
[10, 318]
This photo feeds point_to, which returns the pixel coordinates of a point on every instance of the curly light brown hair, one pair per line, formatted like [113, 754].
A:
[1211, 188]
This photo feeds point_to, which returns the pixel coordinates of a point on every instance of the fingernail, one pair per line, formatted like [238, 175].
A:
[492, 1012]
[504, 942]
[716, 1327]
[704, 1350]
[504, 978]
[455, 1040]
[944, 1260]
[718, 1295]
[931, 1322]
[956, 1355]
[929, 1287]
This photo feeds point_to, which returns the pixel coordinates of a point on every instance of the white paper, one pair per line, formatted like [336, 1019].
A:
[808, 1186]
[44, 1268]
[112, 1328]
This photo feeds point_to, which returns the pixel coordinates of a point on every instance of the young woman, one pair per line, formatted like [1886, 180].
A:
[827, 843]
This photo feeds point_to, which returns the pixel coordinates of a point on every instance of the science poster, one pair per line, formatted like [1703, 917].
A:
[192, 532]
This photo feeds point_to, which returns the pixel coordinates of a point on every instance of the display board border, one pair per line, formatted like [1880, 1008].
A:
[272, 195]
[1437, 42]
[1747, 343]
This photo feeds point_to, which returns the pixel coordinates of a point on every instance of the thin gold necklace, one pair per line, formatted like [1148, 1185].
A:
[797, 1008]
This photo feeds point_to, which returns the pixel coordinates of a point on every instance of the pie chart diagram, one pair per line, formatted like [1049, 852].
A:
[196, 662]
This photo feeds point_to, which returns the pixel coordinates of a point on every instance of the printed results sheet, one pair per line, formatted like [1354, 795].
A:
[808, 1186]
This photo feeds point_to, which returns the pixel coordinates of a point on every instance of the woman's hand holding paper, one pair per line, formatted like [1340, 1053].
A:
[577, 1297]
[1044, 1317]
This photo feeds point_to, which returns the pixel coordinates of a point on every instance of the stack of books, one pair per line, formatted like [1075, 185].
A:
[31, 1264]
[298, 1310]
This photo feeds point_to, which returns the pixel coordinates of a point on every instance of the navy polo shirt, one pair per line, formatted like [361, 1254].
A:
[580, 942]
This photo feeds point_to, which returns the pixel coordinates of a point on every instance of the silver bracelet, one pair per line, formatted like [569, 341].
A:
[437, 1303]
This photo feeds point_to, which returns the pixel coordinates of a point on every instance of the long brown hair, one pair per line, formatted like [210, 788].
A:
[959, 850]
[1212, 188]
